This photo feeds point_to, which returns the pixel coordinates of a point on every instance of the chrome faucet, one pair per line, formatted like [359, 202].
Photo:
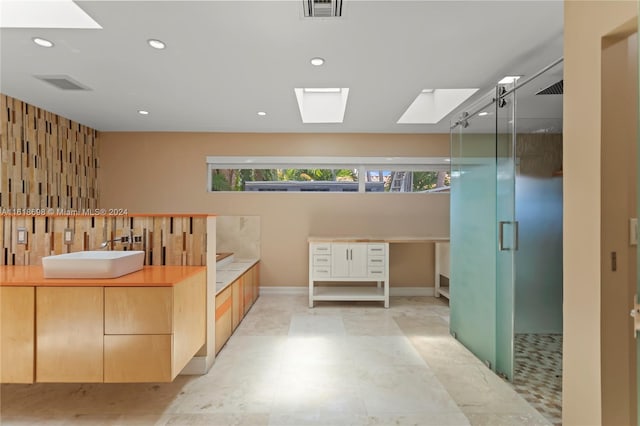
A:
[125, 239]
[115, 240]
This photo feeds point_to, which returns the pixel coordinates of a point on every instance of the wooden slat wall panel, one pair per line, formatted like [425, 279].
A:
[46, 161]
[182, 239]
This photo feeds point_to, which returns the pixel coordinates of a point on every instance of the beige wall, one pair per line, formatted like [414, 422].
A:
[586, 22]
[619, 153]
[167, 172]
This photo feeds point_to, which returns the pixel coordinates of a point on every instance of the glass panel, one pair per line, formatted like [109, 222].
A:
[538, 207]
[507, 233]
[473, 236]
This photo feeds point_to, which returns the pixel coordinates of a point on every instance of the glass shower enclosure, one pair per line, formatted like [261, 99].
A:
[487, 144]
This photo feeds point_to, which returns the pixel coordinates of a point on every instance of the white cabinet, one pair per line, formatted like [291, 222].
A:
[348, 260]
[345, 262]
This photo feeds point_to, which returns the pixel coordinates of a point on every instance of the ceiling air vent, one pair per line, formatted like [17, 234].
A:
[322, 8]
[62, 82]
[554, 89]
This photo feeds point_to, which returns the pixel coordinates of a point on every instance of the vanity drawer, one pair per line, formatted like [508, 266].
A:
[321, 272]
[321, 259]
[376, 261]
[321, 248]
[376, 271]
[375, 249]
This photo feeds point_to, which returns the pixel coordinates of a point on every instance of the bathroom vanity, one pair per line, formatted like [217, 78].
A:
[141, 327]
[237, 289]
[348, 260]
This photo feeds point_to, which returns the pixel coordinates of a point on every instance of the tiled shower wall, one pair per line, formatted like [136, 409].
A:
[539, 154]
[46, 161]
[166, 240]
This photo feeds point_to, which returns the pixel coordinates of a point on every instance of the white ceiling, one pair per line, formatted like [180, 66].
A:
[227, 60]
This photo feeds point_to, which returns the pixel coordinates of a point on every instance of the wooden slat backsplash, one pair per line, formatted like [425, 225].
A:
[46, 161]
[167, 240]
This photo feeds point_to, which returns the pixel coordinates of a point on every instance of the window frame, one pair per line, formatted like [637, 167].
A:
[362, 164]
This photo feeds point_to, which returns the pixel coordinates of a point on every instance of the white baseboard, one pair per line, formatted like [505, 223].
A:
[394, 291]
[412, 291]
[289, 290]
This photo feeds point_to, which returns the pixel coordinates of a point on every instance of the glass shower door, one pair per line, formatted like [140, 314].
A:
[483, 239]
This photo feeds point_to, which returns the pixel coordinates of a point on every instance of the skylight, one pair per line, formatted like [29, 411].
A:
[432, 105]
[509, 79]
[44, 14]
[322, 104]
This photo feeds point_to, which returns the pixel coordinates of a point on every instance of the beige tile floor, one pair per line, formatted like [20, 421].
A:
[335, 364]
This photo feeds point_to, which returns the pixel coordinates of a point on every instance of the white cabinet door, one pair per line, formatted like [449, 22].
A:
[340, 260]
[357, 260]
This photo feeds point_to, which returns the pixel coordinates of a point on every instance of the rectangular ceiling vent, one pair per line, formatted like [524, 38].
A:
[322, 8]
[554, 89]
[62, 82]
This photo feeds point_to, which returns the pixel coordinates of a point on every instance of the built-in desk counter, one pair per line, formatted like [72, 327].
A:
[141, 327]
[361, 258]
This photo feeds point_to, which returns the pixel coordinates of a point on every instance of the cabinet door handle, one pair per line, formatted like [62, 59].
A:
[346, 252]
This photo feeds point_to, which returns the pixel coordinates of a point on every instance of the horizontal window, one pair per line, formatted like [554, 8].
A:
[327, 174]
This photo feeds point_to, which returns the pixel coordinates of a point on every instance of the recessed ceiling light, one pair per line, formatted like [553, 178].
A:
[317, 61]
[156, 44]
[42, 42]
[483, 113]
[447, 160]
[143, 112]
[428, 90]
[262, 113]
[509, 79]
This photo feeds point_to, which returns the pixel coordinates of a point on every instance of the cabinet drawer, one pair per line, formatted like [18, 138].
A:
[375, 249]
[321, 248]
[376, 271]
[138, 310]
[321, 259]
[321, 272]
[376, 261]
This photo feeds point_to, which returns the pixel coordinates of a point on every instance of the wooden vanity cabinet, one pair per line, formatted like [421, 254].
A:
[237, 309]
[233, 303]
[251, 286]
[151, 333]
[17, 327]
[224, 317]
[118, 334]
[69, 334]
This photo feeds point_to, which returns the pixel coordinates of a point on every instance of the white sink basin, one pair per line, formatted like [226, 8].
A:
[92, 264]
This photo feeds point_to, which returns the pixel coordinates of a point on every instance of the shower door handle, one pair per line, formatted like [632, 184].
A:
[516, 237]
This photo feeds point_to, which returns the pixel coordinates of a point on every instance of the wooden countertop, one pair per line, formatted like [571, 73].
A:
[357, 239]
[149, 276]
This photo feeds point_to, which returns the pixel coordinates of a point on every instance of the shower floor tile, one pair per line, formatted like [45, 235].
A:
[538, 372]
